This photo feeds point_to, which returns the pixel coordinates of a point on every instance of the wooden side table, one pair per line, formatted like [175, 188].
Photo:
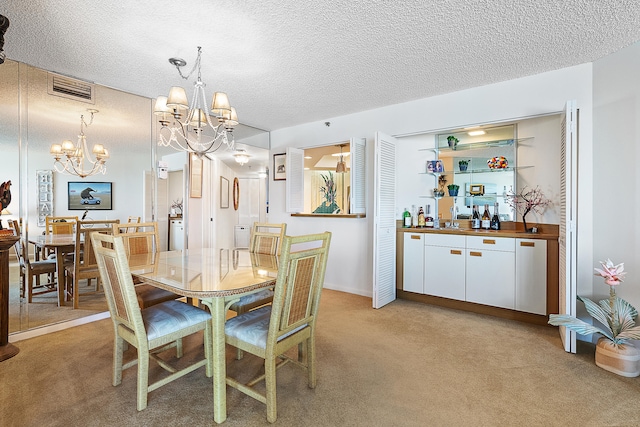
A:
[7, 350]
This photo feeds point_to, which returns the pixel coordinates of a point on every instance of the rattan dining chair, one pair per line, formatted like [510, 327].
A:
[84, 265]
[145, 239]
[60, 224]
[30, 271]
[268, 332]
[265, 239]
[151, 330]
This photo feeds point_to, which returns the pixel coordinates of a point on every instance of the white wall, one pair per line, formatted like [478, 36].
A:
[616, 180]
[350, 260]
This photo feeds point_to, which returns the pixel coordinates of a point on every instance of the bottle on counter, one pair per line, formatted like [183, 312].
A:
[436, 221]
[486, 218]
[406, 219]
[495, 219]
[475, 218]
[420, 217]
[428, 219]
[414, 216]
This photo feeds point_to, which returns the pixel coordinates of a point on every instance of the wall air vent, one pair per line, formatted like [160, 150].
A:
[67, 87]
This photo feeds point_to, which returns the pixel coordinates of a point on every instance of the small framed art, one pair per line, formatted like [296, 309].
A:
[279, 172]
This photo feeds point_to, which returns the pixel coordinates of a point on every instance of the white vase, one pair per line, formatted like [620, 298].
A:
[622, 360]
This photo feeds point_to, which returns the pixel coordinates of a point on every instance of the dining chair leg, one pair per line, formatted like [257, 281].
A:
[143, 378]
[311, 361]
[118, 350]
[30, 288]
[270, 384]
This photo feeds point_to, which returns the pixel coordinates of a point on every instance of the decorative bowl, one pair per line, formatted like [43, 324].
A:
[497, 163]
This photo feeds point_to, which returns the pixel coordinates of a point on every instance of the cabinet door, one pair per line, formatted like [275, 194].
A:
[531, 276]
[412, 265]
[491, 277]
[444, 272]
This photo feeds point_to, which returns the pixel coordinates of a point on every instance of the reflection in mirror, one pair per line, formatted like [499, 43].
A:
[31, 119]
[477, 168]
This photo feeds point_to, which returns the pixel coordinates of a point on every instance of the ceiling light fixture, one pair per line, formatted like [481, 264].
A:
[241, 157]
[341, 167]
[476, 133]
[184, 124]
[77, 156]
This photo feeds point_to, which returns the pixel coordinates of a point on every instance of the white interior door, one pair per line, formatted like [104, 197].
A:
[568, 220]
[384, 221]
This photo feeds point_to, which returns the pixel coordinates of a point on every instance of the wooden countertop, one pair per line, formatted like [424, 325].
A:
[548, 232]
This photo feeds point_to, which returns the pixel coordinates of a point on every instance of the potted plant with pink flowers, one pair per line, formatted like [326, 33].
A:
[614, 352]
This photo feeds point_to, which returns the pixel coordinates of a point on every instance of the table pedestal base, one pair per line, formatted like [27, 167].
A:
[8, 351]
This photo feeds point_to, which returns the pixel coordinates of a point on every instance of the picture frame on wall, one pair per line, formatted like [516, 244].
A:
[224, 193]
[279, 172]
[91, 196]
[195, 176]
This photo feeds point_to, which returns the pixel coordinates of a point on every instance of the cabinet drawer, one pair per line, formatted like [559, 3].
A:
[448, 240]
[489, 243]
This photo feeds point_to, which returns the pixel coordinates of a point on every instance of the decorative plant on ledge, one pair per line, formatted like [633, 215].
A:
[329, 190]
[619, 320]
[526, 201]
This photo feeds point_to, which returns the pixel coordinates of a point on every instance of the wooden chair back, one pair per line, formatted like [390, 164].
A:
[267, 238]
[298, 286]
[132, 220]
[111, 258]
[60, 224]
[85, 265]
[144, 239]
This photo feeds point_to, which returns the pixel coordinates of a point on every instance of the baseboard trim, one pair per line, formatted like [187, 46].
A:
[36, 332]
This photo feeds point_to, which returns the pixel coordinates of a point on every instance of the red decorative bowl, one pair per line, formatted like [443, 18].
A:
[497, 163]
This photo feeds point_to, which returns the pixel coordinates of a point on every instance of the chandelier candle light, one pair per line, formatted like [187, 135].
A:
[75, 159]
[184, 124]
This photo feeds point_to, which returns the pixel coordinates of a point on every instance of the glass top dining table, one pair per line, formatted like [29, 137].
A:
[62, 244]
[218, 278]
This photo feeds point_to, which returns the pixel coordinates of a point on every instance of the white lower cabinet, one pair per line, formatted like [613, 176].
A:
[444, 266]
[412, 269]
[501, 272]
[531, 271]
[491, 271]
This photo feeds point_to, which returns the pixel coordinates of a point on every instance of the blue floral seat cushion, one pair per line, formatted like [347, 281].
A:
[253, 326]
[265, 294]
[167, 317]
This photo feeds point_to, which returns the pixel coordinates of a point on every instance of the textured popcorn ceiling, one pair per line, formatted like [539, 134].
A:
[294, 61]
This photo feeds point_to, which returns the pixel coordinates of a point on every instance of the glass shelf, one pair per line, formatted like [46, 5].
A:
[484, 144]
[476, 171]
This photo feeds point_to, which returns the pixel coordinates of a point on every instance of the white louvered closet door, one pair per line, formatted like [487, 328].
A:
[568, 218]
[384, 250]
[294, 168]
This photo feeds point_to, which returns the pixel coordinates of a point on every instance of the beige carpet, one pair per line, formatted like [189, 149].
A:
[407, 364]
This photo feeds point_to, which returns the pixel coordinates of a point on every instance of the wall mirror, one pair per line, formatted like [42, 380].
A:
[475, 166]
[32, 118]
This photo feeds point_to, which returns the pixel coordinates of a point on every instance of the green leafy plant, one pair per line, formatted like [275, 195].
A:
[463, 162]
[453, 187]
[617, 315]
[329, 188]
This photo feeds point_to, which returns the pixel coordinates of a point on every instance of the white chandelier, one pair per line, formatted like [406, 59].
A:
[184, 124]
[75, 159]
[241, 157]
